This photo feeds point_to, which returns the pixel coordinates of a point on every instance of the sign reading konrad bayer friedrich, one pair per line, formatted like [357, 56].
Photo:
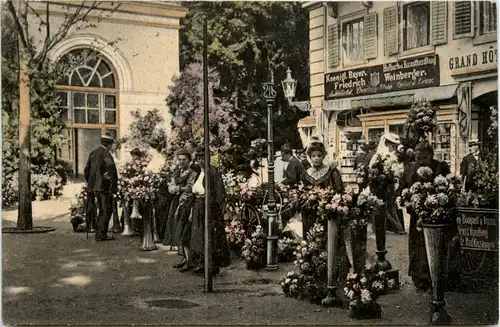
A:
[402, 75]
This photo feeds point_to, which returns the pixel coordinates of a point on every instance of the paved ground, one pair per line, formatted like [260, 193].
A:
[62, 278]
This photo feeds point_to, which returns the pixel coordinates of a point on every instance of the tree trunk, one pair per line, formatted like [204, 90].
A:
[24, 218]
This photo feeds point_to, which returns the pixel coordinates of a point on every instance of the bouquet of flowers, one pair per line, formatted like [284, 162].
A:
[133, 183]
[362, 176]
[434, 200]
[77, 209]
[365, 206]
[313, 199]
[362, 291]
[236, 235]
[382, 174]
[293, 284]
[254, 249]
[335, 204]
[232, 181]
[286, 248]
[422, 118]
[310, 255]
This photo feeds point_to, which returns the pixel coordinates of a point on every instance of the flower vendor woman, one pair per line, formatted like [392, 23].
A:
[177, 230]
[319, 175]
[419, 267]
[220, 250]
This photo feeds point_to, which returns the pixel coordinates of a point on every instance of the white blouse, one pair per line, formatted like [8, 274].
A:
[198, 188]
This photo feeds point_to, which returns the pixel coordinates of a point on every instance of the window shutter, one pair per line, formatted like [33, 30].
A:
[333, 46]
[439, 14]
[370, 36]
[463, 19]
[391, 26]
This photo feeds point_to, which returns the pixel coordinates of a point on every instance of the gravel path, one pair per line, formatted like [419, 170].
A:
[62, 278]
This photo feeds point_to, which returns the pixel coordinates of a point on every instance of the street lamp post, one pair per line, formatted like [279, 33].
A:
[272, 239]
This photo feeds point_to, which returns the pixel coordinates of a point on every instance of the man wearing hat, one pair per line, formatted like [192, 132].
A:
[302, 155]
[102, 179]
[292, 167]
[469, 163]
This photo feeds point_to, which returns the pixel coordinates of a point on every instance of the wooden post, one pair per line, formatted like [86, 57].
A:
[206, 139]
[25, 219]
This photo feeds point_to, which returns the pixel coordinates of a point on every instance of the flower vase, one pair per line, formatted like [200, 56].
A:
[135, 210]
[379, 224]
[127, 229]
[156, 237]
[333, 231]
[435, 245]
[358, 238]
[117, 228]
[147, 235]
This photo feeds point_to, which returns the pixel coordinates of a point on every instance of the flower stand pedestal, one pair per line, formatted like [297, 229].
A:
[358, 239]
[333, 232]
[434, 235]
[117, 228]
[147, 235]
[379, 223]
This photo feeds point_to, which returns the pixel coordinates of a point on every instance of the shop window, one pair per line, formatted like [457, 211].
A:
[397, 129]
[442, 143]
[352, 39]
[416, 19]
[487, 17]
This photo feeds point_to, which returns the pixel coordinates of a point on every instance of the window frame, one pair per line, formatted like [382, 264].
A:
[403, 23]
[478, 37]
[344, 42]
[70, 125]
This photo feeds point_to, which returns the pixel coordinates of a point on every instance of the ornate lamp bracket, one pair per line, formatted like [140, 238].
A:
[301, 105]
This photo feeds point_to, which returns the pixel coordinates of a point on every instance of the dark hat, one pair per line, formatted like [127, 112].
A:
[107, 139]
[300, 150]
[183, 152]
[200, 151]
[286, 148]
[472, 143]
[137, 152]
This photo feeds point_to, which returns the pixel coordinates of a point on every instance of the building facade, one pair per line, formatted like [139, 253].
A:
[369, 61]
[126, 58]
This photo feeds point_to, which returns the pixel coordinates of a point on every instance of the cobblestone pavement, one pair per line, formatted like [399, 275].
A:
[62, 278]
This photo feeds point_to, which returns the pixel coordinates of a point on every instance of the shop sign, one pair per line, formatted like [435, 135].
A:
[478, 231]
[406, 74]
[485, 59]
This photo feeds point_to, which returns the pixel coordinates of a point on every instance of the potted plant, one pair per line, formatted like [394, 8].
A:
[435, 200]
[254, 249]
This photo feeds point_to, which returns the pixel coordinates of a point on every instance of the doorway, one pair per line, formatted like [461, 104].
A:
[86, 140]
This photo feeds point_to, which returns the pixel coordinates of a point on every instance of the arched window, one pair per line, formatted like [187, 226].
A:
[88, 102]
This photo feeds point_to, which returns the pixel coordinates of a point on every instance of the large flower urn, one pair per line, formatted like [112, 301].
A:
[332, 249]
[147, 243]
[127, 229]
[435, 244]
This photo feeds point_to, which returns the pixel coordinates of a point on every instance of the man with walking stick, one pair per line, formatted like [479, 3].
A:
[101, 177]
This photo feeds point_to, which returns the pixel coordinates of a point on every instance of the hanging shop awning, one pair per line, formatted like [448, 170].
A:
[392, 98]
[309, 121]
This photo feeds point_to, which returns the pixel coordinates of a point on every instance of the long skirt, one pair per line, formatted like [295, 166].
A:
[177, 229]
[220, 248]
[393, 219]
[161, 212]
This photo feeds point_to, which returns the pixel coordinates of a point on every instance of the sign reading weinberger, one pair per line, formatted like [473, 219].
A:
[406, 74]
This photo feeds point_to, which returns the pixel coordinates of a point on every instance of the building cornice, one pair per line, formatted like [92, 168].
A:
[311, 5]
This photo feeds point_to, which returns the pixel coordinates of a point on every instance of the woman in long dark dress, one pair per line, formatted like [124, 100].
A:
[164, 199]
[419, 267]
[177, 230]
[326, 177]
[220, 249]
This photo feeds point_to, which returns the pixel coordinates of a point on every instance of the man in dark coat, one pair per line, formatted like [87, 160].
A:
[371, 148]
[102, 179]
[469, 163]
[292, 167]
[302, 155]
[360, 155]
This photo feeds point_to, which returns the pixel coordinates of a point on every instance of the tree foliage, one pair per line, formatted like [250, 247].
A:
[247, 40]
[185, 101]
[146, 130]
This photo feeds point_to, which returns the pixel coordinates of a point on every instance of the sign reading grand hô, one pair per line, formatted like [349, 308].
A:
[402, 75]
[478, 230]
